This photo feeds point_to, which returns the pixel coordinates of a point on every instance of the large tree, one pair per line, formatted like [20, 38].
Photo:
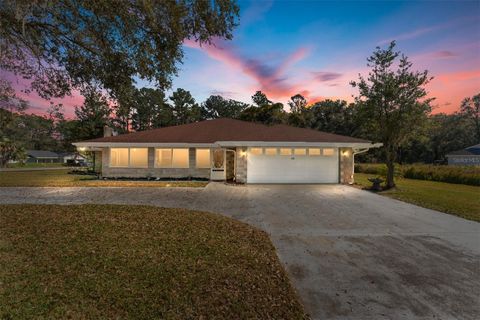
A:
[335, 116]
[260, 99]
[150, 110]
[217, 107]
[64, 44]
[185, 109]
[392, 102]
[470, 108]
[93, 115]
[297, 103]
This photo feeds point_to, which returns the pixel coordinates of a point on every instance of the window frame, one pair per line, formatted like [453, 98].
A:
[303, 154]
[328, 155]
[315, 155]
[253, 154]
[129, 165]
[285, 155]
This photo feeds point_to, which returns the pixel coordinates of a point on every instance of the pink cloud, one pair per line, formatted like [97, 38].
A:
[270, 79]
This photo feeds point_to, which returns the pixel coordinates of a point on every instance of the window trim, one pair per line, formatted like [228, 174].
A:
[295, 154]
[315, 155]
[253, 154]
[270, 155]
[290, 153]
[328, 155]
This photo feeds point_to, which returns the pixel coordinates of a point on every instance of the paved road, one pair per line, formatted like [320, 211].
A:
[351, 254]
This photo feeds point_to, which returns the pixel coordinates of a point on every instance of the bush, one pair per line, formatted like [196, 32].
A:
[458, 175]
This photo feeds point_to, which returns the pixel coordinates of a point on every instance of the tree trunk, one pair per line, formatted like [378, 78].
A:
[390, 162]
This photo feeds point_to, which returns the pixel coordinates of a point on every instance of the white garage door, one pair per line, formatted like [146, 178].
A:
[282, 165]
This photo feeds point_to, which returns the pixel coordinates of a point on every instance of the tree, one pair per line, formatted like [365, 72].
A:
[66, 44]
[217, 107]
[260, 99]
[267, 114]
[93, 115]
[150, 110]
[335, 116]
[10, 151]
[392, 104]
[185, 109]
[470, 108]
[10, 104]
[297, 103]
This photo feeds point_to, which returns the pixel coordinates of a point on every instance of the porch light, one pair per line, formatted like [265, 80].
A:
[81, 149]
[243, 153]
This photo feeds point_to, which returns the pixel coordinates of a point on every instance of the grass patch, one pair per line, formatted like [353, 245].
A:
[61, 178]
[105, 262]
[456, 199]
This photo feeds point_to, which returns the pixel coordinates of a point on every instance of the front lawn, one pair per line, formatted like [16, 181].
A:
[457, 199]
[117, 262]
[61, 178]
[35, 165]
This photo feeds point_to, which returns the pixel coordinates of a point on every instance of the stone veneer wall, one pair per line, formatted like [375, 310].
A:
[346, 165]
[241, 171]
[151, 171]
[229, 164]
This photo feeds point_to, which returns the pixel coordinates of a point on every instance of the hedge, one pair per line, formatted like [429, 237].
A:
[458, 175]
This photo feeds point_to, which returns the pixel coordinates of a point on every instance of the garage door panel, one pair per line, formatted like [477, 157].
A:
[292, 169]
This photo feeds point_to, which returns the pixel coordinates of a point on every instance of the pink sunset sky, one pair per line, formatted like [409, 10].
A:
[316, 48]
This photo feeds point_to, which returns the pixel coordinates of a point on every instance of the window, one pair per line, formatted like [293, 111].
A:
[328, 152]
[202, 158]
[139, 157]
[300, 151]
[285, 151]
[119, 157]
[256, 151]
[314, 151]
[171, 158]
[271, 151]
[180, 158]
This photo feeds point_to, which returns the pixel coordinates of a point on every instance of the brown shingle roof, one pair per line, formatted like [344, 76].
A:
[224, 129]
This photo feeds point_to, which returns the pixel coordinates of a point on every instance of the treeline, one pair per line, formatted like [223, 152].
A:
[150, 108]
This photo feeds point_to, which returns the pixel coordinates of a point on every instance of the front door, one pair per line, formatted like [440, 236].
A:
[218, 171]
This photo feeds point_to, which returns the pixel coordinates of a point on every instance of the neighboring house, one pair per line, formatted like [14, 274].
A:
[72, 156]
[42, 156]
[227, 149]
[467, 157]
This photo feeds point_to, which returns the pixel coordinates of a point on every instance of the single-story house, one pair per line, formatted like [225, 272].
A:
[466, 157]
[42, 156]
[227, 149]
[71, 157]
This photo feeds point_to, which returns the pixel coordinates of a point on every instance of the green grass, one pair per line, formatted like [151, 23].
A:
[61, 178]
[118, 262]
[35, 165]
[457, 199]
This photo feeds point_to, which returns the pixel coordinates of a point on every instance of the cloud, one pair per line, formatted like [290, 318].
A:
[254, 11]
[270, 78]
[325, 76]
[222, 93]
[443, 54]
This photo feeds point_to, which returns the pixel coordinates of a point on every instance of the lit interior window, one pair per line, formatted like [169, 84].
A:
[139, 157]
[119, 157]
[300, 151]
[180, 158]
[256, 151]
[328, 152]
[285, 151]
[314, 151]
[163, 158]
[202, 158]
[271, 151]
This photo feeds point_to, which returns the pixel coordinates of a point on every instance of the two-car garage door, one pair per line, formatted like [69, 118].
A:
[278, 165]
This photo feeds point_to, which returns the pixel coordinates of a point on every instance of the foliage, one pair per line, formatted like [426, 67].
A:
[10, 151]
[185, 109]
[125, 262]
[93, 115]
[392, 104]
[459, 200]
[217, 107]
[269, 114]
[297, 103]
[65, 44]
[451, 174]
[150, 110]
[260, 99]
[335, 116]
[470, 108]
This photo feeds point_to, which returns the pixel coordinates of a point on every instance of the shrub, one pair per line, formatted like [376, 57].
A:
[458, 175]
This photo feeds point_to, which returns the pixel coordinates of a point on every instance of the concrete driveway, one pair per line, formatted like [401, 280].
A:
[351, 254]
